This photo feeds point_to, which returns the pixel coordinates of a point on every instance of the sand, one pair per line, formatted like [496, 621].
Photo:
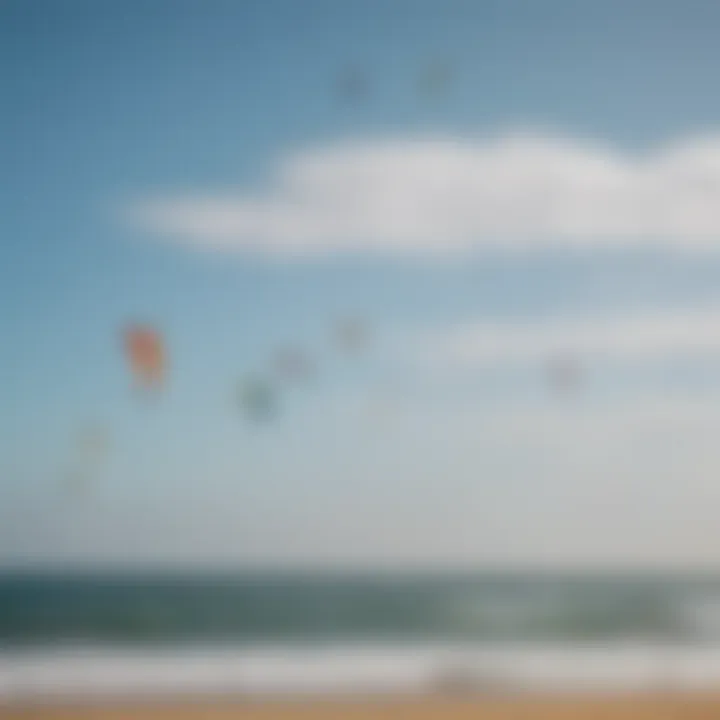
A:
[637, 708]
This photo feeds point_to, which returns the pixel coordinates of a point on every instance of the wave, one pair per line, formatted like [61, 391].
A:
[76, 673]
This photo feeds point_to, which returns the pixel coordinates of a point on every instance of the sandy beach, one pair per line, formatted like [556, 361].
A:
[695, 707]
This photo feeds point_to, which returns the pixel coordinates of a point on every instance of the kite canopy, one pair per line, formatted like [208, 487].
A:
[145, 354]
[293, 364]
[257, 398]
[351, 335]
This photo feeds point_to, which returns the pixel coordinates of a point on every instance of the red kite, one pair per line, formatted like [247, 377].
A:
[146, 355]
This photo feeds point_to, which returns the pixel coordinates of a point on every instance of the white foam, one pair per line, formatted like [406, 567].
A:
[86, 673]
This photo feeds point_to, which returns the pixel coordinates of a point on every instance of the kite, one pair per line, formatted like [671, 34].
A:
[257, 399]
[351, 335]
[293, 364]
[146, 355]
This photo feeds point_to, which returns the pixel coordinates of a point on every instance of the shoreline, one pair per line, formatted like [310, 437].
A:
[533, 706]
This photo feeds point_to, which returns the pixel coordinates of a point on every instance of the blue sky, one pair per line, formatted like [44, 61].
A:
[134, 130]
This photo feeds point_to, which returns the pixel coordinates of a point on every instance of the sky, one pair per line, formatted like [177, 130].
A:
[193, 165]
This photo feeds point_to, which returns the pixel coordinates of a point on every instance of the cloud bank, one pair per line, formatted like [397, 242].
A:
[440, 195]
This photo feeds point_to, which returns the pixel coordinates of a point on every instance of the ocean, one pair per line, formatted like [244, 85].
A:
[82, 635]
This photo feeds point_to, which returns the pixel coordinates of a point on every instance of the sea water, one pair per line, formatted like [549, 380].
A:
[252, 633]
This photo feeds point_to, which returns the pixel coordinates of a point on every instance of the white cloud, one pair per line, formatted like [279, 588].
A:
[635, 337]
[442, 194]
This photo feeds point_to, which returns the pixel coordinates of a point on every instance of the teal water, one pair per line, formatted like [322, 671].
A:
[249, 608]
